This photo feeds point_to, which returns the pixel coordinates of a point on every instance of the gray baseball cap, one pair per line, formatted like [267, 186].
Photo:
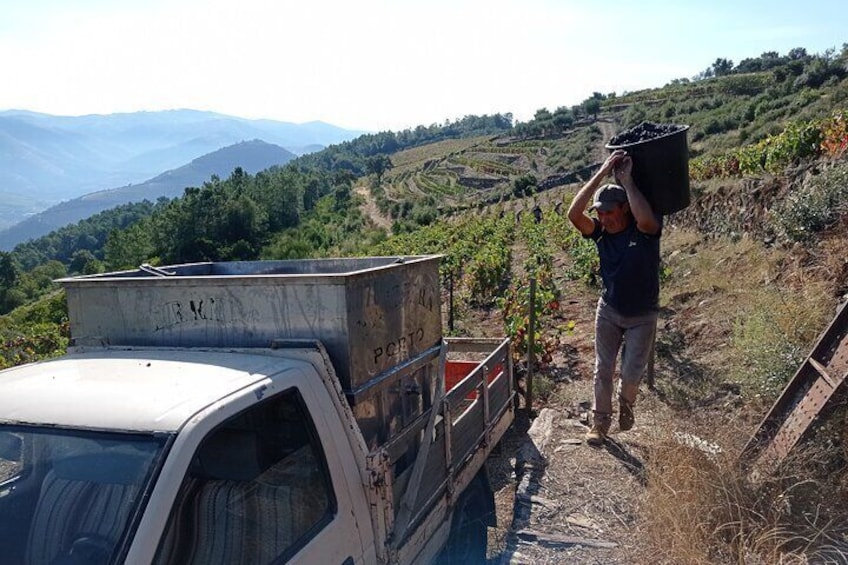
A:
[608, 197]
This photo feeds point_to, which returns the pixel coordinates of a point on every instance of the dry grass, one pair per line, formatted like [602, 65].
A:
[701, 509]
[720, 266]
[774, 333]
[748, 314]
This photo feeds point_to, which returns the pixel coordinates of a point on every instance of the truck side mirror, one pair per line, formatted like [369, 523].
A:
[10, 446]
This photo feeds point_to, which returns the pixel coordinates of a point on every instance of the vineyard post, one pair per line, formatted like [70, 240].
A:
[450, 301]
[531, 333]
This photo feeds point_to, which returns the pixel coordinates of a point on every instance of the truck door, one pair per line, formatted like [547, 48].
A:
[259, 490]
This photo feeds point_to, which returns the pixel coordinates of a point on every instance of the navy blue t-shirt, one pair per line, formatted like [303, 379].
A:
[630, 268]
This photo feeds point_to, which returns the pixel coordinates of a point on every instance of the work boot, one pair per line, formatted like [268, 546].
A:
[596, 435]
[600, 428]
[625, 415]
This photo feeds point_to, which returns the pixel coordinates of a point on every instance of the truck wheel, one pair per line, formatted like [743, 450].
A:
[468, 539]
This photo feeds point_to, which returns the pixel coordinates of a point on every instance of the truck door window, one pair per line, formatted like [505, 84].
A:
[257, 489]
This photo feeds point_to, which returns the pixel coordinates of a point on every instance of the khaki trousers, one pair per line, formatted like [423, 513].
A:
[634, 336]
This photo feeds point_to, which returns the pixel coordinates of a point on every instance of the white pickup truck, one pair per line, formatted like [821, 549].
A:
[254, 412]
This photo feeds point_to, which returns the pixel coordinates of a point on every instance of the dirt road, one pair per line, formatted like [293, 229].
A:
[370, 209]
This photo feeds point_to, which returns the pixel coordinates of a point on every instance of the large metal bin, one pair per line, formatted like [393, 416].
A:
[370, 313]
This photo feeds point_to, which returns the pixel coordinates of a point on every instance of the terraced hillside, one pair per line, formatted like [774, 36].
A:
[465, 172]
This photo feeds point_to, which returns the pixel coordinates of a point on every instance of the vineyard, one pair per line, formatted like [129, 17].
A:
[728, 340]
[799, 141]
[492, 252]
[483, 271]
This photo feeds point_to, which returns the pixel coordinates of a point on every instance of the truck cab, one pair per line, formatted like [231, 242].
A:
[222, 446]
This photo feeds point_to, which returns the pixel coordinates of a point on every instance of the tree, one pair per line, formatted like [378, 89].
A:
[722, 67]
[40, 279]
[8, 271]
[282, 194]
[241, 230]
[592, 106]
[377, 166]
[524, 185]
[563, 117]
[311, 193]
[84, 262]
[542, 115]
[818, 70]
[797, 54]
[130, 247]
[342, 182]
[703, 75]
[9, 297]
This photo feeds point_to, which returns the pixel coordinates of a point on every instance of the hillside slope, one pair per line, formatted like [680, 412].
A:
[753, 270]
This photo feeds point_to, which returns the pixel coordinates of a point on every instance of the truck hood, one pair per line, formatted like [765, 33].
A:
[145, 390]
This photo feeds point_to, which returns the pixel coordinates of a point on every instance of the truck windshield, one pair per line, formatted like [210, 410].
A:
[69, 496]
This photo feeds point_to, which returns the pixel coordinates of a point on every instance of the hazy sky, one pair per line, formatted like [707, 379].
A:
[378, 64]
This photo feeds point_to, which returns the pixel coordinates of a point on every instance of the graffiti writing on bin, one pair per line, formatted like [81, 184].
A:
[407, 293]
[192, 311]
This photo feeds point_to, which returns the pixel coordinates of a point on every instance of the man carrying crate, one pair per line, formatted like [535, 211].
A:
[627, 234]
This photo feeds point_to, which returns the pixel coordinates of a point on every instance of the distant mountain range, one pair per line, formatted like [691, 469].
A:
[46, 159]
[251, 156]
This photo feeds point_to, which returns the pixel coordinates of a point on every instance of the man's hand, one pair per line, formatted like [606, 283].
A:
[613, 162]
[646, 220]
[623, 170]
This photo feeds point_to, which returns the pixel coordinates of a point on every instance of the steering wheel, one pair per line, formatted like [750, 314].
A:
[90, 549]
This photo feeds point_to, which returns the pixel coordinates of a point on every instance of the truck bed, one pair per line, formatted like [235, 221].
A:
[467, 423]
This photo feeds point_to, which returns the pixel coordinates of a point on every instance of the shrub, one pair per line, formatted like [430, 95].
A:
[816, 206]
[771, 357]
[773, 335]
[423, 215]
[796, 142]
[835, 134]
[524, 185]
[36, 331]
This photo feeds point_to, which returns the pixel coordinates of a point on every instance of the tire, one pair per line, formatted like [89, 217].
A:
[468, 539]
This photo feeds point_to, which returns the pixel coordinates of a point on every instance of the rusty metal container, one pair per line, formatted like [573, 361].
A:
[371, 313]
